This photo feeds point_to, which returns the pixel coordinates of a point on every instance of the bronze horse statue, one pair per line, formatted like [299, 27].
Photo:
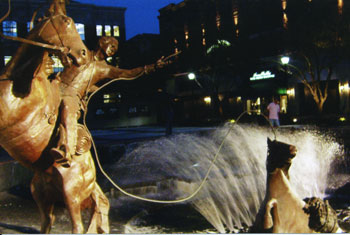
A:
[29, 109]
[282, 210]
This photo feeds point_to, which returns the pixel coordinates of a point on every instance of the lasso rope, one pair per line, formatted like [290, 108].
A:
[154, 200]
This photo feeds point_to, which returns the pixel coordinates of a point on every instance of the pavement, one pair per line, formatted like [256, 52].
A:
[18, 211]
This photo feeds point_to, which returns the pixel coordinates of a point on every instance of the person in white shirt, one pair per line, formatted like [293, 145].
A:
[274, 109]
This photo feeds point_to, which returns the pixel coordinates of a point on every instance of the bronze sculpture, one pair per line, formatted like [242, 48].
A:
[31, 104]
[77, 82]
[283, 211]
[29, 107]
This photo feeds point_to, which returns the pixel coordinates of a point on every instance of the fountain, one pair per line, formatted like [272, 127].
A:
[174, 167]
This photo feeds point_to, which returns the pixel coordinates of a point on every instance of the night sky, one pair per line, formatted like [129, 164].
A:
[140, 16]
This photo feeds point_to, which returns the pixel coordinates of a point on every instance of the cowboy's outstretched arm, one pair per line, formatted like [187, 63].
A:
[108, 72]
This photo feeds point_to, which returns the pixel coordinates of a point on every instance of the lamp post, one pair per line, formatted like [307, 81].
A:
[192, 76]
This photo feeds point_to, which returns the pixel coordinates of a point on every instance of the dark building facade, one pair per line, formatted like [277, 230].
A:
[261, 27]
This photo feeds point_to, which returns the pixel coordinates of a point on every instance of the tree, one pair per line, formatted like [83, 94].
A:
[319, 40]
[217, 73]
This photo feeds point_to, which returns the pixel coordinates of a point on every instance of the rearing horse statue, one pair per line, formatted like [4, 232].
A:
[29, 109]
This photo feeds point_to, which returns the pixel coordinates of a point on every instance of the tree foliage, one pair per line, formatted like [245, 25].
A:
[318, 33]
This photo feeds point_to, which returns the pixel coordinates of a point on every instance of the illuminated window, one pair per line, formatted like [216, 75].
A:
[235, 17]
[116, 32]
[285, 21]
[218, 20]
[204, 42]
[108, 30]
[81, 30]
[207, 100]
[7, 59]
[186, 32]
[110, 98]
[9, 28]
[284, 4]
[99, 30]
[340, 7]
[28, 26]
[285, 17]
[57, 66]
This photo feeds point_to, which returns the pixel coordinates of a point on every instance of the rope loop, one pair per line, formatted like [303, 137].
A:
[164, 201]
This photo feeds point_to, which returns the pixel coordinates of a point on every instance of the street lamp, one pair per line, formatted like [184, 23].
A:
[191, 76]
[285, 60]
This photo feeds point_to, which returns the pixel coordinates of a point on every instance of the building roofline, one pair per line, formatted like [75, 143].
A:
[74, 2]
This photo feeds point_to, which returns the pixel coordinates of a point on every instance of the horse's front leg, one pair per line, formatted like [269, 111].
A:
[73, 206]
[71, 182]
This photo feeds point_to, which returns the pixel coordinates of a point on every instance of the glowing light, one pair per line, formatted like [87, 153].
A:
[235, 17]
[285, 20]
[295, 120]
[343, 87]
[207, 100]
[232, 121]
[285, 59]
[291, 91]
[284, 4]
[186, 32]
[342, 119]
[340, 7]
[223, 43]
[218, 20]
[106, 96]
[262, 75]
[191, 76]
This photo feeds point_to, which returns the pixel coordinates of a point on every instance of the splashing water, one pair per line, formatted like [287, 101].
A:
[236, 186]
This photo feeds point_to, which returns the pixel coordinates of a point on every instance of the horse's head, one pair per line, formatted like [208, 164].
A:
[60, 30]
[279, 155]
